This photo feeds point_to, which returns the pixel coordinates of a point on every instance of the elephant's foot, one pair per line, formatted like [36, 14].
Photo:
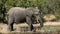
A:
[30, 28]
[10, 29]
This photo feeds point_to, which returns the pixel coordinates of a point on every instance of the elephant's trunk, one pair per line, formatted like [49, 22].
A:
[37, 19]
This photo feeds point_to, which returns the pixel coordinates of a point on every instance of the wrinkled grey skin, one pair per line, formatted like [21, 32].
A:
[18, 15]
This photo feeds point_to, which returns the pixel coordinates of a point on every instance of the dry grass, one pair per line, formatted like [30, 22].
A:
[17, 27]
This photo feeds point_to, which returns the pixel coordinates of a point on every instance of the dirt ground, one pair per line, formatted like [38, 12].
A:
[21, 27]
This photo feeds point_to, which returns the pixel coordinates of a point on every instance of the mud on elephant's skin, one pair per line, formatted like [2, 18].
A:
[18, 14]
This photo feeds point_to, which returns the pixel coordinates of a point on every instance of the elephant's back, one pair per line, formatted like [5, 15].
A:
[16, 10]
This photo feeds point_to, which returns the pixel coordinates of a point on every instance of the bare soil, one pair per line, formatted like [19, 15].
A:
[18, 27]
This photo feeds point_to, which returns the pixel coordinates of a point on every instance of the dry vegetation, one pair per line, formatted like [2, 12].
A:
[19, 29]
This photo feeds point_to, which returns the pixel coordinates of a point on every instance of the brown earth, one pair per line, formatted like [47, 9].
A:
[18, 27]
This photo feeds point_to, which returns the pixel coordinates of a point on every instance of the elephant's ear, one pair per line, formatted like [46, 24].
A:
[37, 9]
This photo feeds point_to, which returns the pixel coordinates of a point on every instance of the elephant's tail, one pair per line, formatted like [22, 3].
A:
[6, 18]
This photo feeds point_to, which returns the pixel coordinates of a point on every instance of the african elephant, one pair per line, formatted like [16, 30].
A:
[18, 14]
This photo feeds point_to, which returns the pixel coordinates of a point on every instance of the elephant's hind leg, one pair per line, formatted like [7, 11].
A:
[10, 24]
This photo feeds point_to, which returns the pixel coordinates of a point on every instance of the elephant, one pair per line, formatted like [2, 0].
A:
[19, 14]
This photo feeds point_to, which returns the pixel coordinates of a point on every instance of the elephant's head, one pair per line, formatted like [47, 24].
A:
[37, 16]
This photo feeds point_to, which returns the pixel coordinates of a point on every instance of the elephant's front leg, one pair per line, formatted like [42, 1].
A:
[29, 22]
[10, 24]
